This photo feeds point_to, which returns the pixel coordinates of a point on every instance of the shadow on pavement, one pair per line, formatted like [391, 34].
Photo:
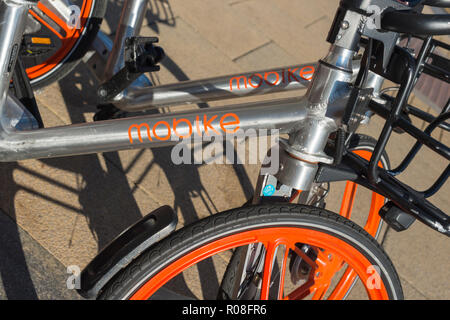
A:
[105, 190]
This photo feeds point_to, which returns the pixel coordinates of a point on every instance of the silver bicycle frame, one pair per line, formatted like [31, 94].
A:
[309, 120]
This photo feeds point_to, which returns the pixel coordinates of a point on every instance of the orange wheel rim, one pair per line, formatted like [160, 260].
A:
[371, 226]
[373, 219]
[272, 238]
[69, 39]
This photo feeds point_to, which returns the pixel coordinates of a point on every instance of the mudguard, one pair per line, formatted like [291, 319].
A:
[126, 247]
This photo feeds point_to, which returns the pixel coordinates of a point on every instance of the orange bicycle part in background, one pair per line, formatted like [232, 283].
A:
[69, 37]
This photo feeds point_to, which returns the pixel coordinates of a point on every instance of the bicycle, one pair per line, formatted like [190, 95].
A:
[318, 244]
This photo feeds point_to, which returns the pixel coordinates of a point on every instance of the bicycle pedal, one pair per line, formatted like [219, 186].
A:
[140, 56]
[395, 217]
[33, 45]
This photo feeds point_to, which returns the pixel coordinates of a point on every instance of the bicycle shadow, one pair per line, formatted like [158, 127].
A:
[106, 199]
[184, 180]
[15, 275]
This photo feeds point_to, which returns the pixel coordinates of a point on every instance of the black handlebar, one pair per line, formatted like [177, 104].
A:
[419, 24]
[437, 3]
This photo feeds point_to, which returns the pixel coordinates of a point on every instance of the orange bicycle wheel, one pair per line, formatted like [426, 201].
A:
[370, 220]
[52, 47]
[363, 146]
[279, 228]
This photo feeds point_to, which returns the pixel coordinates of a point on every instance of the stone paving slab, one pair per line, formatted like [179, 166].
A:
[300, 35]
[74, 206]
[27, 270]
[216, 22]
[269, 55]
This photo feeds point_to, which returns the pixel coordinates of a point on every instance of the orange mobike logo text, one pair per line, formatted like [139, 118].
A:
[226, 123]
[256, 80]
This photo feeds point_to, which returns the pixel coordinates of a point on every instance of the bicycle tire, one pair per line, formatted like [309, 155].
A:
[49, 71]
[357, 142]
[236, 222]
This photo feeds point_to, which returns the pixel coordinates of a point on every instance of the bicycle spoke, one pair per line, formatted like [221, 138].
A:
[320, 291]
[348, 200]
[53, 22]
[55, 19]
[55, 28]
[283, 274]
[303, 291]
[305, 257]
[373, 220]
[343, 285]
[271, 252]
[329, 265]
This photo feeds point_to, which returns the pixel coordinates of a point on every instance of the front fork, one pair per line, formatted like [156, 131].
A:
[301, 153]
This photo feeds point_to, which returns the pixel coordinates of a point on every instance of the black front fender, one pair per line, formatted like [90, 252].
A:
[126, 247]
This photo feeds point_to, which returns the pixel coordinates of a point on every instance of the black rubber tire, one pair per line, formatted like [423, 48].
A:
[215, 227]
[357, 142]
[79, 50]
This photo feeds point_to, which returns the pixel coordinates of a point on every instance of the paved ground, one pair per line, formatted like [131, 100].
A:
[66, 210]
